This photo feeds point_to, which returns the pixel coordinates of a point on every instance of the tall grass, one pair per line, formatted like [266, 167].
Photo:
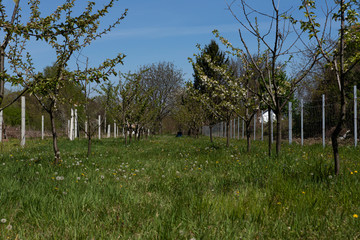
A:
[177, 188]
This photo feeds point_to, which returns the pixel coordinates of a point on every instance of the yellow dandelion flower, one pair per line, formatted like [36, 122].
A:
[355, 216]
[355, 171]
[303, 192]
[351, 173]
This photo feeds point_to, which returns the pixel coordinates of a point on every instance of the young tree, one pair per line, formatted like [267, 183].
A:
[218, 58]
[84, 78]
[222, 90]
[164, 79]
[279, 49]
[334, 51]
[72, 34]
[17, 33]
[130, 104]
[189, 112]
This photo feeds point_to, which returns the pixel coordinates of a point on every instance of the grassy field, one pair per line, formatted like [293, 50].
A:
[177, 188]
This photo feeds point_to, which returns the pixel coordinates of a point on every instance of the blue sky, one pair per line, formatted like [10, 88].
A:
[156, 30]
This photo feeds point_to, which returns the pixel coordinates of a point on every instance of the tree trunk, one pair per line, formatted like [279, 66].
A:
[341, 80]
[227, 133]
[278, 132]
[89, 146]
[269, 125]
[2, 70]
[55, 145]
[139, 134]
[160, 127]
[125, 136]
[248, 135]
[335, 134]
[211, 135]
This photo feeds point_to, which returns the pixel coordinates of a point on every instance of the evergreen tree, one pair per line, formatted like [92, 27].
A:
[218, 58]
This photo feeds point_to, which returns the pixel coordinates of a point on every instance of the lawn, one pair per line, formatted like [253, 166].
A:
[177, 188]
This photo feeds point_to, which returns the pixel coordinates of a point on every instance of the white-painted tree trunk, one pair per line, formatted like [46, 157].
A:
[22, 143]
[114, 129]
[108, 131]
[68, 129]
[72, 125]
[76, 125]
[42, 127]
[86, 128]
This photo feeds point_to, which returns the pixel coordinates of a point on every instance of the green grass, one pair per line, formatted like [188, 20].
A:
[177, 188]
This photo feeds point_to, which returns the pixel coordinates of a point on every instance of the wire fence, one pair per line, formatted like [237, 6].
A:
[303, 123]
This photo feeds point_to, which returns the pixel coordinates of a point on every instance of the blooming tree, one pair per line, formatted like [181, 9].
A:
[279, 49]
[68, 34]
[334, 51]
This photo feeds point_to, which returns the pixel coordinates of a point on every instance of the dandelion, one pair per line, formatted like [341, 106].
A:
[355, 216]
[9, 227]
[355, 171]
[78, 178]
[3, 220]
[303, 192]
[59, 178]
[102, 176]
